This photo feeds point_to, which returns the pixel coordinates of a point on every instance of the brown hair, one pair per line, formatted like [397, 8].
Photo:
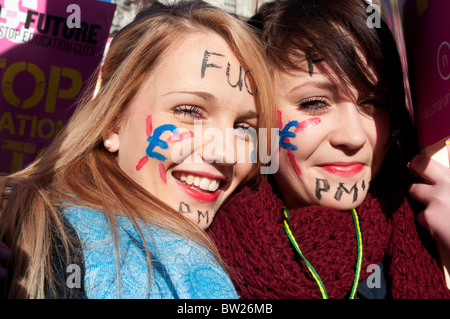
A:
[297, 33]
[76, 169]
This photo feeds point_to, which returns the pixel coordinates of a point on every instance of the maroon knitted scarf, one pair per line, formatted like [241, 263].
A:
[263, 263]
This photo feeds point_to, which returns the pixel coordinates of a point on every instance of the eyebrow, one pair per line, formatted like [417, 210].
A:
[203, 95]
[325, 85]
[247, 116]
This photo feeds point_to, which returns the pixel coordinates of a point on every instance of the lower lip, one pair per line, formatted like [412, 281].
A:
[197, 195]
[344, 171]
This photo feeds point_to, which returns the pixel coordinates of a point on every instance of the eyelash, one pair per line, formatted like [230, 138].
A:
[311, 104]
[372, 106]
[243, 129]
[196, 113]
[189, 111]
[316, 105]
[371, 102]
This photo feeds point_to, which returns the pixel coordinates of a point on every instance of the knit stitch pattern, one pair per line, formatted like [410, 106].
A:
[264, 264]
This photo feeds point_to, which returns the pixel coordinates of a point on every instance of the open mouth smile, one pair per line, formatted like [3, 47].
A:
[200, 187]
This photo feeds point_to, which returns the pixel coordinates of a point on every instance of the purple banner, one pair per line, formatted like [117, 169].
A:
[427, 34]
[48, 50]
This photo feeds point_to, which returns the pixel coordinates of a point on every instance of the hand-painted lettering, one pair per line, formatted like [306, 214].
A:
[285, 133]
[205, 63]
[241, 78]
[202, 215]
[155, 141]
[246, 84]
[341, 189]
[239, 81]
[322, 185]
[184, 208]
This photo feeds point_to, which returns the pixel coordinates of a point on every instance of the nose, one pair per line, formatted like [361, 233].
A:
[219, 146]
[348, 132]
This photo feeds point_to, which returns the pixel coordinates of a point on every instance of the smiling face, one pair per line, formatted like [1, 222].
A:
[333, 140]
[187, 127]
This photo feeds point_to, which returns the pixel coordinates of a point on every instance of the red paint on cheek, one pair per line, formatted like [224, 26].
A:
[280, 123]
[149, 126]
[141, 163]
[276, 152]
[307, 124]
[162, 172]
[180, 137]
[293, 162]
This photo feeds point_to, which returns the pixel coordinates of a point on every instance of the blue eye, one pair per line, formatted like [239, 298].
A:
[188, 111]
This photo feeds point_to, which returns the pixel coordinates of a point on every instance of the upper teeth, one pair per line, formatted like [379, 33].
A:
[202, 182]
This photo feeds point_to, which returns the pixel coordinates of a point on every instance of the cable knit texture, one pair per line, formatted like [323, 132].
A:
[264, 264]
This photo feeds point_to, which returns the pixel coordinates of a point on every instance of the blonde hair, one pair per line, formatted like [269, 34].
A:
[76, 169]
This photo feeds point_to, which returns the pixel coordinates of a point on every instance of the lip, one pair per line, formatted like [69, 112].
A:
[203, 174]
[200, 195]
[344, 169]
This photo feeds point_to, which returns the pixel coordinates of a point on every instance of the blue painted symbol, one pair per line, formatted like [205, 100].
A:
[155, 141]
[286, 133]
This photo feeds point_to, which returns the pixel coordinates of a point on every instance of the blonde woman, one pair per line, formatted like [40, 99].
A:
[122, 196]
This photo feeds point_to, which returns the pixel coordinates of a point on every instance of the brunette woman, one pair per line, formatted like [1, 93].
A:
[336, 220]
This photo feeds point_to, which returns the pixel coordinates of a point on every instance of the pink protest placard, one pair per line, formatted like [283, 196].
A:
[427, 37]
[48, 51]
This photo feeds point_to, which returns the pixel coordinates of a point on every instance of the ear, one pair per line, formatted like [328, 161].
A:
[111, 141]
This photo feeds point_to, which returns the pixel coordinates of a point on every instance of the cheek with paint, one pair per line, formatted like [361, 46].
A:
[155, 141]
[302, 126]
[307, 124]
[286, 134]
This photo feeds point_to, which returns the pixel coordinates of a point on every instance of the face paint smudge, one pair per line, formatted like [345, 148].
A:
[141, 163]
[293, 162]
[180, 137]
[149, 127]
[162, 172]
[280, 123]
[276, 152]
[307, 124]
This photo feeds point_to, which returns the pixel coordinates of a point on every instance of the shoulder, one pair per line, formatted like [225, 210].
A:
[90, 224]
[153, 262]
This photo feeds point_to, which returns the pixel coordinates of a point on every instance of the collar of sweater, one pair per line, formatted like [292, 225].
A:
[272, 268]
[263, 264]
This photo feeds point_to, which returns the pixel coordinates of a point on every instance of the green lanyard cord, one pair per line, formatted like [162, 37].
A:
[315, 275]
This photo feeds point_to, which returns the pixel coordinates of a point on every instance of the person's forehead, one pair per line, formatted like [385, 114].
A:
[192, 46]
